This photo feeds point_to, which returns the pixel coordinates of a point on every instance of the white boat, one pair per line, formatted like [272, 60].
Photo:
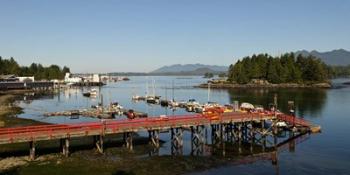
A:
[281, 124]
[199, 109]
[153, 99]
[173, 104]
[191, 104]
[247, 106]
[136, 98]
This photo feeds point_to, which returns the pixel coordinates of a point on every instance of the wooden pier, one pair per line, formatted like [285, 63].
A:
[38, 85]
[235, 125]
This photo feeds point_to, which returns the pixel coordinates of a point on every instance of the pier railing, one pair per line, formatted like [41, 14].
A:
[294, 120]
[233, 124]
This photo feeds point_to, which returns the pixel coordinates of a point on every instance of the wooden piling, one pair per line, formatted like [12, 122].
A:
[99, 143]
[31, 150]
[129, 140]
[65, 146]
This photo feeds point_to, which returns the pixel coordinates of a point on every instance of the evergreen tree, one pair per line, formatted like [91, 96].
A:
[10, 66]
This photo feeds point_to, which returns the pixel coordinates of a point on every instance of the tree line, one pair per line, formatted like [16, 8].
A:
[340, 71]
[10, 66]
[287, 68]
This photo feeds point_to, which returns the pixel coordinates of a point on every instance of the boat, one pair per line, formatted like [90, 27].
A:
[212, 104]
[138, 98]
[228, 108]
[198, 109]
[202, 108]
[281, 124]
[116, 106]
[191, 104]
[182, 104]
[173, 104]
[151, 99]
[247, 107]
[91, 93]
[125, 79]
[164, 102]
[131, 114]
[258, 109]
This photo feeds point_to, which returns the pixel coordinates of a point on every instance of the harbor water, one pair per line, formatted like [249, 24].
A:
[323, 153]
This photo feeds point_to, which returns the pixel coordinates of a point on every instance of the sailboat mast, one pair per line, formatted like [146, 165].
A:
[154, 87]
[146, 88]
[173, 90]
[208, 92]
[166, 93]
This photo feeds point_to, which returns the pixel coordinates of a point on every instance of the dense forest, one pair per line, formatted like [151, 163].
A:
[286, 68]
[10, 66]
[340, 71]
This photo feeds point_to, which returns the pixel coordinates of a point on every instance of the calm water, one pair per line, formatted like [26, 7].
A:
[324, 153]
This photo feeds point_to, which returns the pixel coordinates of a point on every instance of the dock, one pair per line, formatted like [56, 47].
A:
[99, 112]
[38, 85]
[234, 125]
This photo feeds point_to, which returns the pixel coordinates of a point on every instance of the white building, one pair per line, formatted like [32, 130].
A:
[96, 78]
[26, 79]
[68, 78]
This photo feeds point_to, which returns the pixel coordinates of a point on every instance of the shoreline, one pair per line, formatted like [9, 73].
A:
[283, 85]
[9, 110]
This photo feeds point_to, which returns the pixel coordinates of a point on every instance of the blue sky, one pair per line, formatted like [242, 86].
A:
[130, 35]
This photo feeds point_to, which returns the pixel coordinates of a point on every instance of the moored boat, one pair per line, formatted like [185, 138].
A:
[91, 93]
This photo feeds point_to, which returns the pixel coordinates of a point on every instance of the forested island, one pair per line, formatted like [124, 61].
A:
[287, 70]
[284, 69]
[10, 66]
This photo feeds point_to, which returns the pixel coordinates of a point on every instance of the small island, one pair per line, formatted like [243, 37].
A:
[285, 71]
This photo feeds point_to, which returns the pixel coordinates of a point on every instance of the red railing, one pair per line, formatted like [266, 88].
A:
[127, 125]
[294, 120]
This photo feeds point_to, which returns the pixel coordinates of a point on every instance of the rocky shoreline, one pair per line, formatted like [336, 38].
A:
[252, 85]
[9, 110]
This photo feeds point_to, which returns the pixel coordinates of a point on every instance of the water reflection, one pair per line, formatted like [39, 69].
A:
[307, 101]
[233, 152]
[28, 98]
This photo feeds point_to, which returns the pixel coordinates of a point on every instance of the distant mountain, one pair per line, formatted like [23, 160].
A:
[194, 68]
[334, 57]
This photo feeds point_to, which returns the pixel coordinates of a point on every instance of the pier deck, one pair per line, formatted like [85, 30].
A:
[235, 123]
[58, 131]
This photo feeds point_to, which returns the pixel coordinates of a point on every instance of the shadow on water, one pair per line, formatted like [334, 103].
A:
[307, 101]
[118, 160]
[27, 98]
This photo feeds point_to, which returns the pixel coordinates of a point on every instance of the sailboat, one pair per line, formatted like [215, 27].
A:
[153, 99]
[173, 103]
